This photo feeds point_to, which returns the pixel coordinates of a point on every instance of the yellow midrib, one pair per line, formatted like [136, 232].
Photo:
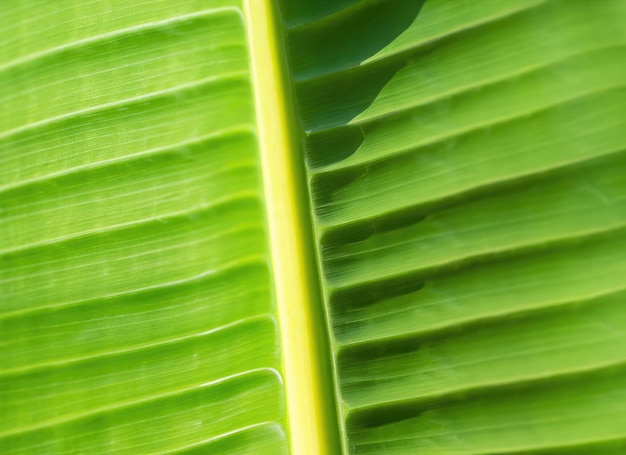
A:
[310, 397]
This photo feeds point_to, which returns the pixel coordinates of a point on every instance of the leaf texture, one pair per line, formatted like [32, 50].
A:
[467, 176]
[468, 183]
[137, 311]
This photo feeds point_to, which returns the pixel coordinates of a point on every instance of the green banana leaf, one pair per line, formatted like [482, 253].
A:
[452, 278]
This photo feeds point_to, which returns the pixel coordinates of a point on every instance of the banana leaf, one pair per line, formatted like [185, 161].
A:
[313, 227]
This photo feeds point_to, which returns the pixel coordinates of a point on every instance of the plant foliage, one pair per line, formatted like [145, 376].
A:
[466, 173]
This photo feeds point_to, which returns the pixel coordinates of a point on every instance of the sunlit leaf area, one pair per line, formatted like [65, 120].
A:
[447, 178]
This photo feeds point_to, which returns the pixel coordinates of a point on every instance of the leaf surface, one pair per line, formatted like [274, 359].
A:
[467, 174]
[138, 311]
[463, 164]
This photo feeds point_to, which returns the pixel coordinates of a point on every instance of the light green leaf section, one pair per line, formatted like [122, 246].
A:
[137, 311]
[468, 186]
[467, 171]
